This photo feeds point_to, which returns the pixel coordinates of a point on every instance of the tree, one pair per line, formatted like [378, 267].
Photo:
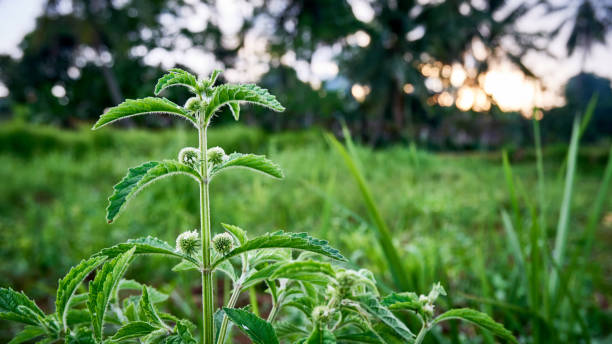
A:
[76, 41]
[590, 23]
[402, 37]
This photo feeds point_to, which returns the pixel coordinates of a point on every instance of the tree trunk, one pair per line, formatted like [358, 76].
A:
[112, 84]
[398, 109]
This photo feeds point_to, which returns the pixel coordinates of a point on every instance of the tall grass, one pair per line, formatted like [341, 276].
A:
[383, 233]
[552, 285]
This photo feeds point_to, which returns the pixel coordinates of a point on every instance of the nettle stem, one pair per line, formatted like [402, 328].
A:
[205, 235]
[422, 333]
[230, 304]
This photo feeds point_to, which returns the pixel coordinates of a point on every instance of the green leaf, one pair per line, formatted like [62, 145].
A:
[102, 287]
[155, 295]
[228, 269]
[147, 310]
[235, 108]
[477, 318]
[139, 177]
[69, 284]
[321, 335]
[280, 239]
[238, 232]
[134, 329]
[258, 330]
[370, 303]
[145, 106]
[307, 271]
[77, 317]
[80, 335]
[228, 94]
[18, 307]
[176, 77]
[254, 162]
[185, 265]
[146, 245]
[28, 333]
[398, 301]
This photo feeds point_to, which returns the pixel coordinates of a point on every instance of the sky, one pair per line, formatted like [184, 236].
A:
[17, 18]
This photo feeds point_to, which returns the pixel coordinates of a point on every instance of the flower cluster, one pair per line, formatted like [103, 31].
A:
[216, 155]
[223, 243]
[427, 301]
[189, 156]
[188, 242]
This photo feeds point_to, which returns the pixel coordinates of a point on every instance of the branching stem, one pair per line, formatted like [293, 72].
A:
[232, 302]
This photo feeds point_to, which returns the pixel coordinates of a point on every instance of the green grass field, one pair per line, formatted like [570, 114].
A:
[443, 210]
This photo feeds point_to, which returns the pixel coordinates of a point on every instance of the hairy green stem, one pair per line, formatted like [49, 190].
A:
[205, 235]
[230, 304]
[274, 310]
[421, 335]
[253, 299]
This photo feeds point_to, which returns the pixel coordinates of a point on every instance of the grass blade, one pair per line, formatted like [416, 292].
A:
[540, 171]
[595, 214]
[512, 189]
[513, 241]
[399, 276]
[564, 215]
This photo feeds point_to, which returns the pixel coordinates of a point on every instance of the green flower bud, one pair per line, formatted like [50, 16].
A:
[321, 314]
[188, 242]
[346, 280]
[193, 104]
[223, 243]
[189, 156]
[215, 155]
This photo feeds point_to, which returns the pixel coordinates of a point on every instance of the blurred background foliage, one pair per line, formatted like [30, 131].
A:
[408, 78]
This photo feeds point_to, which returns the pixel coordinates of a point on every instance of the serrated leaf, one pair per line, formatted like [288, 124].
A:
[371, 304]
[249, 93]
[69, 284]
[307, 271]
[228, 269]
[185, 265]
[77, 317]
[258, 163]
[258, 330]
[146, 245]
[147, 310]
[144, 106]
[280, 239]
[139, 177]
[176, 77]
[321, 335]
[28, 333]
[18, 307]
[397, 301]
[479, 319]
[134, 329]
[102, 287]
[155, 295]
[238, 232]
[287, 329]
[266, 255]
[305, 304]
[80, 335]
[235, 108]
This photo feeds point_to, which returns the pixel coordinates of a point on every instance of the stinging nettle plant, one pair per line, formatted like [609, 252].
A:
[315, 297]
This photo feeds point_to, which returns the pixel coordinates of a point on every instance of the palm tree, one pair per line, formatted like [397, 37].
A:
[590, 25]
